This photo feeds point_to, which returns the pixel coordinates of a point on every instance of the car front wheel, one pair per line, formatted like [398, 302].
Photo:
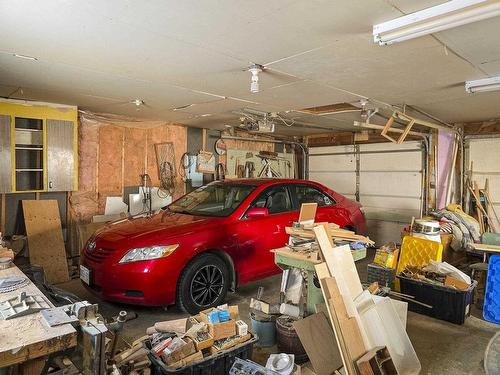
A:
[203, 284]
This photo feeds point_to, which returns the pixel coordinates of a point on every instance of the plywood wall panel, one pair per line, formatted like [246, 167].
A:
[110, 160]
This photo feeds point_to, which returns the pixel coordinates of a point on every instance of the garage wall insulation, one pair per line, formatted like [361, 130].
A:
[113, 151]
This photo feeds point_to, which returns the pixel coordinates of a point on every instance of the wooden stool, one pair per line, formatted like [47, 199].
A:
[482, 269]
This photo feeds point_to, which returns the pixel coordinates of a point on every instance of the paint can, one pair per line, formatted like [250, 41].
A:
[265, 329]
[427, 229]
[288, 340]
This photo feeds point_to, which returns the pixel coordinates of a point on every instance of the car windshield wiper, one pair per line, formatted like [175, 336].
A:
[186, 212]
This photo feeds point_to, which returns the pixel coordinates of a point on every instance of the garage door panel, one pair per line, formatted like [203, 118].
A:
[390, 203]
[390, 178]
[485, 153]
[493, 183]
[485, 157]
[397, 161]
[343, 183]
[402, 184]
[331, 150]
[389, 146]
[332, 163]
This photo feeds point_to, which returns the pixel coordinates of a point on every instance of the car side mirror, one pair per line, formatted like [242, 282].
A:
[257, 212]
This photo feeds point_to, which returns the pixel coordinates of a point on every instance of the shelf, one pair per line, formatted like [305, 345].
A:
[28, 130]
[29, 170]
[29, 148]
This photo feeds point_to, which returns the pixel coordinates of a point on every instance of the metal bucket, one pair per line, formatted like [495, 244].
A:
[265, 329]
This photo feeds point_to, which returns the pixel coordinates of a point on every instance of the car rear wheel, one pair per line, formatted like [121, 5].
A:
[203, 284]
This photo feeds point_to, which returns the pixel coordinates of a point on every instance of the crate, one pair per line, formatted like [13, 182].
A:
[219, 363]
[447, 304]
[384, 276]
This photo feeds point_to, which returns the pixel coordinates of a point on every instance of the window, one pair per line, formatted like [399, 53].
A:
[276, 199]
[311, 194]
[216, 199]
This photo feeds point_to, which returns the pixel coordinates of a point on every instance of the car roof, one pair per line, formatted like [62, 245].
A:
[262, 181]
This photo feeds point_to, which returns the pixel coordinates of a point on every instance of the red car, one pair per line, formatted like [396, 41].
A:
[206, 242]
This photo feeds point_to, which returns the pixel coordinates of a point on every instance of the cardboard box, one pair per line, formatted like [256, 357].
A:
[197, 356]
[453, 282]
[209, 316]
[234, 313]
[180, 353]
[222, 330]
[200, 345]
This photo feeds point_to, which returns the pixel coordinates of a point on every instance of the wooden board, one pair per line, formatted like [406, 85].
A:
[318, 340]
[486, 248]
[45, 240]
[349, 328]
[28, 337]
[307, 213]
[340, 263]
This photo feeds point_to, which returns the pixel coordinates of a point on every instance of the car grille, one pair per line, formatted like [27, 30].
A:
[98, 255]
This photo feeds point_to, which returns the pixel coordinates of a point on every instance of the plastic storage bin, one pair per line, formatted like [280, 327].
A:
[216, 364]
[491, 308]
[447, 304]
[384, 276]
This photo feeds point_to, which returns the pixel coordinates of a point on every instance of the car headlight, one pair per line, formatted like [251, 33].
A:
[147, 253]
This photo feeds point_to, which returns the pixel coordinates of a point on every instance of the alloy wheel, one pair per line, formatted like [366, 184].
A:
[207, 285]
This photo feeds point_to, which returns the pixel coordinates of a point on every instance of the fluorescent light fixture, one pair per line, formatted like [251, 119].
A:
[24, 56]
[441, 17]
[483, 85]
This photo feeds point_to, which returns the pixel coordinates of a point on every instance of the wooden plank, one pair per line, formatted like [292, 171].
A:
[2, 215]
[33, 367]
[28, 337]
[318, 340]
[45, 240]
[340, 264]
[486, 248]
[349, 328]
[322, 273]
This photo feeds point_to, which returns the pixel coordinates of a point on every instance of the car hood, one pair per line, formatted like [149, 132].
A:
[163, 225]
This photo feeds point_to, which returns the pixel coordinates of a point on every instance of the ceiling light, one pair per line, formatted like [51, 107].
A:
[441, 17]
[25, 57]
[255, 69]
[483, 85]
[138, 102]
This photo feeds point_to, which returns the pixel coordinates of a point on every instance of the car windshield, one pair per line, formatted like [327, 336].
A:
[212, 200]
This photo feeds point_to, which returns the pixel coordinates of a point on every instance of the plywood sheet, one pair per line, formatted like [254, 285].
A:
[318, 339]
[110, 159]
[45, 240]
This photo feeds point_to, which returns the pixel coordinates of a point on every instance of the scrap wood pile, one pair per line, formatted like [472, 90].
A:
[363, 323]
[438, 273]
[353, 329]
[174, 344]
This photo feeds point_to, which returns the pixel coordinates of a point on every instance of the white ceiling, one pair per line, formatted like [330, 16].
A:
[99, 55]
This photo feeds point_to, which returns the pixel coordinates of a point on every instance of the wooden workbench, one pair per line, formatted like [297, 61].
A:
[28, 337]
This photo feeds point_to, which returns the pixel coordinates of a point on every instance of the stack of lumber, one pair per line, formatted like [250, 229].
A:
[336, 233]
[359, 323]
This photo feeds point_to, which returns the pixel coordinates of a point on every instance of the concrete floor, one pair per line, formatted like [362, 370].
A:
[442, 347]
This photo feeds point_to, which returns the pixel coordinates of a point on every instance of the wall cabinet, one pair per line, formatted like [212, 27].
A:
[38, 147]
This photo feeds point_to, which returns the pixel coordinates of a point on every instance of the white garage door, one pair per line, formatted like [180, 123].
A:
[485, 157]
[385, 177]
